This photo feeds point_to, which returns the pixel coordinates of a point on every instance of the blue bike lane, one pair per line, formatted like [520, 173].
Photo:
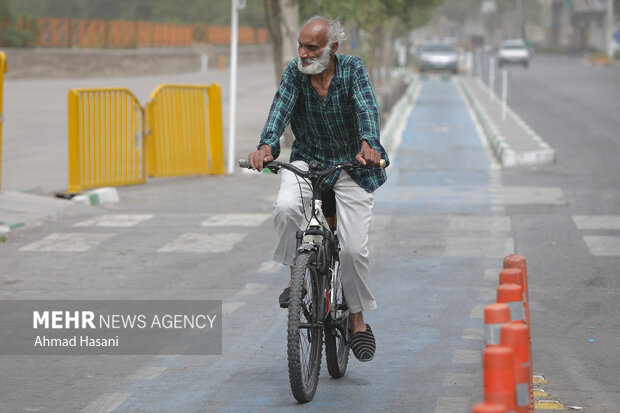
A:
[437, 241]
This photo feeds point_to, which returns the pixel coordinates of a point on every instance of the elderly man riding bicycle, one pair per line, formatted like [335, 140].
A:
[330, 103]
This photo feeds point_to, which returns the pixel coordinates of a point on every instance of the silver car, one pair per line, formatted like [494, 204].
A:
[438, 56]
[513, 51]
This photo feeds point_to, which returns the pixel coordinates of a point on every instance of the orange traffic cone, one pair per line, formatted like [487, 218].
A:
[495, 316]
[512, 294]
[499, 377]
[516, 337]
[515, 276]
[488, 408]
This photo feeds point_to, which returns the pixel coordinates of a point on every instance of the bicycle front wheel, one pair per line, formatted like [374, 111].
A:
[304, 331]
[337, 327]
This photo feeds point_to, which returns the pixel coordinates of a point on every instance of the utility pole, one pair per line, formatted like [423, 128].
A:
[234, 40]
[610, 29]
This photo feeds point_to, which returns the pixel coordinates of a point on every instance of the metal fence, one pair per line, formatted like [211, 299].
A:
[106, 145]
[185, 130]
[3, 69]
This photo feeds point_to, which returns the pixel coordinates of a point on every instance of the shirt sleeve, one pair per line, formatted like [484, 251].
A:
[281, 110]
[366, 108]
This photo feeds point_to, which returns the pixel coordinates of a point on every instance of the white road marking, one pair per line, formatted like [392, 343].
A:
[271, 267]
[253, 288]
[544, 195]
[203, 243]
[609, 222]
[106, 403]
[67, 242]
[473, 334]
[452, 404]
[479, 247]
[467, 356]
[235, 220]
[603, 246]
[477, 312]
[460, 380]
[115, 220]
[229, 308]
[146, 373]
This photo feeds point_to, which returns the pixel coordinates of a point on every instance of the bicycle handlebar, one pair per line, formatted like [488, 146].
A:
[275, 166]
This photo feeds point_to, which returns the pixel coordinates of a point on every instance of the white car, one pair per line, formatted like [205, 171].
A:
[513, 51]
[438, 56]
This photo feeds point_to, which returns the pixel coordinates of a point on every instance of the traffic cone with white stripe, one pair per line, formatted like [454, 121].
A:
[514, 261]
[495, 316]
[512, 294]
[516, 337]
[515, 276]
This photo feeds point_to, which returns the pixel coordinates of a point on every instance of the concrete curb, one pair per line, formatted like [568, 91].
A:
[502, 149]
[97, 197]
[396, 115]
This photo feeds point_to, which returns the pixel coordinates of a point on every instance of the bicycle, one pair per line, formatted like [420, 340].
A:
[317, 305]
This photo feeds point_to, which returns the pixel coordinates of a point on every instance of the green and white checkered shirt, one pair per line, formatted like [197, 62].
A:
[331, 130]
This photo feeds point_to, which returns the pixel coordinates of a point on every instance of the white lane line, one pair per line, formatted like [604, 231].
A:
[603, 246]
[67, 242]
[106, 403]
[609, 222]
[270, 267]
[115, 220]
[253, 288]
[203, 243]
[460, 380]
[146, 373]
[473, 334]
[467, 356]
[477, 312]
[487, 294]
[229, 308]
[479, 247]
[235, 220]
[452, 404]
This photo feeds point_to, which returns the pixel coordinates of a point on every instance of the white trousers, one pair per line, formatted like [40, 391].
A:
[354, 210]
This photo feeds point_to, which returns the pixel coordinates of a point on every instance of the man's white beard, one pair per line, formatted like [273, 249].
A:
[317, 65]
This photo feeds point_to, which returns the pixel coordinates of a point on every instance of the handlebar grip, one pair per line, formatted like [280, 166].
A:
[244, 163]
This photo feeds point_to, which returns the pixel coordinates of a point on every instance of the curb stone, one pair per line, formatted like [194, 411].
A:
[504, 152]
[97, 197]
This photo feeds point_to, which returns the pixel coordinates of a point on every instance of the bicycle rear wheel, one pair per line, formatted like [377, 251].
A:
[304, 333]
[337, 329]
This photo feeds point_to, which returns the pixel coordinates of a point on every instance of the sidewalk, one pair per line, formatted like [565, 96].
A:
[513, 141]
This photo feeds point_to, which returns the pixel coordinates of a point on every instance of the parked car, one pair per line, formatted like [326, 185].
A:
[513, 51]
[438, 56]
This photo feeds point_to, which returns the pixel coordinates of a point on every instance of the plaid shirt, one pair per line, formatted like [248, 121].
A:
[331, 130]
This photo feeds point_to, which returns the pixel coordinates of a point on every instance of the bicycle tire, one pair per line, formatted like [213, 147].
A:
[336, 347]
[304, 345]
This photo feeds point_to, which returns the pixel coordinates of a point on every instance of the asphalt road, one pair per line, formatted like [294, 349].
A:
[574, 246]
[442, 224]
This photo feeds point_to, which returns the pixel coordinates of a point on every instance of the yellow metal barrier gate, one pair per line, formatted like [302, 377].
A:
[3, 69]
[106, 145]
[185, 130]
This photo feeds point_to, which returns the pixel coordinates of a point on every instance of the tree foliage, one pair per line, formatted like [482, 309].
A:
[170, 11]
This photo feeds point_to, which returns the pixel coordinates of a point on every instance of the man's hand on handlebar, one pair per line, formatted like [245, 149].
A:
[368, 156]
[261, 157]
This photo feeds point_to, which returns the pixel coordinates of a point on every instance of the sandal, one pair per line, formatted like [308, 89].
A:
[363, 345]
